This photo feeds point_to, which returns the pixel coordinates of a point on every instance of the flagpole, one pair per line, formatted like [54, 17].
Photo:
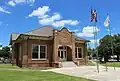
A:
[96, 49]
[94, 21]
[107, 24]
[106, 65]
[95, 44]
[109, 30]
[108, 34]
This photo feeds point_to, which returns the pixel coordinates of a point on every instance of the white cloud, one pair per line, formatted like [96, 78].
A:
[88, 31]
[50, 20]
[11, 3]
[76, 30]
[44, 16]
[46, 21]
[15, 2]
[19, 1]
[56, 16]
[54, 20]
[92, 43]
[63, 22]
[40, 12]
[85, 34]
[74, 22]
[4, 11]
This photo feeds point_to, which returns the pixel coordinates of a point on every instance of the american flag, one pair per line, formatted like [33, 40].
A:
[93, 15]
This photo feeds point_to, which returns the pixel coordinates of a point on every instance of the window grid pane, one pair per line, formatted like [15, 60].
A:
[78, 52]
[75, 52]
[61, 54]
[35, 51]
[38, 51]
[42, 55]
[42, 49]
[42, 52]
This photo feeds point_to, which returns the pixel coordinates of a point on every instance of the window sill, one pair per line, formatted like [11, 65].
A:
[38, 59]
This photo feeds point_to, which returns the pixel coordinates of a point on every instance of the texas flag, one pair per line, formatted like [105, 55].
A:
[107, 22]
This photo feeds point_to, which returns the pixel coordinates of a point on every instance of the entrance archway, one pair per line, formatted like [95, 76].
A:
[65, 53]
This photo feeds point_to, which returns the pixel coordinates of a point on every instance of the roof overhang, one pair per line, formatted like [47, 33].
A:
[25, 37]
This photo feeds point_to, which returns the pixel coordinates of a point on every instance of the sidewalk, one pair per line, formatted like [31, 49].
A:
[90, 72]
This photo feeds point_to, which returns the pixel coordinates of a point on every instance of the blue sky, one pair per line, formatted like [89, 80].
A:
[23, 15]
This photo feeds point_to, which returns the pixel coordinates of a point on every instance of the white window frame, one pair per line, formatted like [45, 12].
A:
[77, 52]
[39, 52]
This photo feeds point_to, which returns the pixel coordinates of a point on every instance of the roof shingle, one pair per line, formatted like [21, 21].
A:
[42, 31]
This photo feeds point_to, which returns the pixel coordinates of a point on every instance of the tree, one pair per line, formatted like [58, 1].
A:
[116, 43]
[105, 47]
[5, 52]
[89, 50]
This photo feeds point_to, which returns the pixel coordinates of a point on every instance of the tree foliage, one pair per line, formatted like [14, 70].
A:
[89, 50]
[107, 43]
[5, 52]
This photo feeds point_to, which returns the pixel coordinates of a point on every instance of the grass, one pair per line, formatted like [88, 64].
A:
[28, 75]
[110, 64]
[8, 66]
[9, 75]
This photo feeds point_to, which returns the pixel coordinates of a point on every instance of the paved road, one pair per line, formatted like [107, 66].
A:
[90, 72]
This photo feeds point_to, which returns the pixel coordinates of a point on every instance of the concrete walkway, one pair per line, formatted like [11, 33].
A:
[90, 72]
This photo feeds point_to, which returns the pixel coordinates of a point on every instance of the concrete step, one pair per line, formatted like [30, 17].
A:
[68, 64]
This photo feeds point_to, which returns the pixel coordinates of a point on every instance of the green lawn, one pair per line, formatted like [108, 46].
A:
[8, 66]
[29, 75]
[110, 64]
[9, 75]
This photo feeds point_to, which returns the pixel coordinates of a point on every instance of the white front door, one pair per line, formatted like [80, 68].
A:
[62, 54]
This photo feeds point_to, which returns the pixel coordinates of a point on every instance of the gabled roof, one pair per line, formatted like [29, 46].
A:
[42, 31]
[14, 36]
[64, 28]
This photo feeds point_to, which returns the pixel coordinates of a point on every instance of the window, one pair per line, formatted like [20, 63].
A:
[78, 52]
[61, 54]
[35, 51]
[38, 51]
[42, 51]
[75, 52]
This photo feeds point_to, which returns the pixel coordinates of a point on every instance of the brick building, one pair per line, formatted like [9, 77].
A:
[46, 46]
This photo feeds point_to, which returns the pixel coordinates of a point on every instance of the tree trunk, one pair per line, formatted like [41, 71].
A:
[117, 57]
[106, 58]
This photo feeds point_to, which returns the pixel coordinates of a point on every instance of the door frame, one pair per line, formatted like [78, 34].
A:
[64, 56]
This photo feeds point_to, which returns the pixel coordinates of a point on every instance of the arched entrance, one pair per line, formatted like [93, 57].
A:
[65, 53]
